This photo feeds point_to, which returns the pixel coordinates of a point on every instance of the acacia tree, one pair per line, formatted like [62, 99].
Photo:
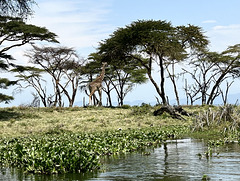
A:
[16, 8]
[227, 64]
[209, 71]
[203, 73]
[4, 82]
[64, 66]
[32, 77]
[157, 41]
[121, 76]
[15, 33]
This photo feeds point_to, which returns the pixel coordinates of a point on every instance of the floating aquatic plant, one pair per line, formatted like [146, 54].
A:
[79, 152]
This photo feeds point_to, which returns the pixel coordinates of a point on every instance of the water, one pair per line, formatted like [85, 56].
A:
[176, 160]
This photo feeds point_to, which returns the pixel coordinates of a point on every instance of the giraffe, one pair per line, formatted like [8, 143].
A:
[96, 85]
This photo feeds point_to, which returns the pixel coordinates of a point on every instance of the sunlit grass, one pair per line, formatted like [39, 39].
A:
[26, 121]
[22, 121]
[60, 140]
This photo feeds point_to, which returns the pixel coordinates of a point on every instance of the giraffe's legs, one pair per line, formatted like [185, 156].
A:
[91, 94]
[90, 101]
[100, 96]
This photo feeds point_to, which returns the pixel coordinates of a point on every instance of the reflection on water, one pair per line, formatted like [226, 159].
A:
[16, 175]
[175, 160]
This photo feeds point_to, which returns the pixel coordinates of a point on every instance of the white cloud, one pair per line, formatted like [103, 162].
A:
[227, 28]
[223, 36]
[79, 24]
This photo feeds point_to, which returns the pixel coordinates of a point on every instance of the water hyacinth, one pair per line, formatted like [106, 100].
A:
[78, 152]
[48, 154]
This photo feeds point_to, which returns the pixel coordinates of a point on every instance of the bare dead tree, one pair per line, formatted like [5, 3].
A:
[191, 93]
[32, 77]
[64, 66]
[207, 72]
[224, 95]
[173, 77]
[36, 101]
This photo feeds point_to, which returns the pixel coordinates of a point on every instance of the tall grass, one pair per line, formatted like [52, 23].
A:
[17, 121]
[226, 118]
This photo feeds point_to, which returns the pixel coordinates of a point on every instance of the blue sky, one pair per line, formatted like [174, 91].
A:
[83, 23]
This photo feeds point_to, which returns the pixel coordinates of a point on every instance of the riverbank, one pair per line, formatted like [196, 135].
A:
[21, 121]
[60, 140]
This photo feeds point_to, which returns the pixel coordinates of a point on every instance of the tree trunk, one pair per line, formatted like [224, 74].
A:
[172, 78]
[162, 81]
[155, 85]
[109, 99]
[218, 82]
[172, 111]
[211, 96]
[108, 90]
[161, 92]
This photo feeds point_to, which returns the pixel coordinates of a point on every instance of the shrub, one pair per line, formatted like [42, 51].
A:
[226, 116]
[125, 106]
[141, 110]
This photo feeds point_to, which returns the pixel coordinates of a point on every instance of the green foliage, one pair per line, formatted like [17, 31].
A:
[3, 65]
[14, 29]
[158, 40]
[144, 109]
[5, 98]
[4, 84]
[68, 152]
[48, 154]
[205, 177]
[125, 106]
[15, 32]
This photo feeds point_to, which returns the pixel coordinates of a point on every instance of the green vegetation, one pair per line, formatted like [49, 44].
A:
[67, 152]
[60, 140]
[23, 121]
[15, 33]
[222, 119]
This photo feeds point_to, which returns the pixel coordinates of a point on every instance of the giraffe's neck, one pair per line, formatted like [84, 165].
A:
[102, 73]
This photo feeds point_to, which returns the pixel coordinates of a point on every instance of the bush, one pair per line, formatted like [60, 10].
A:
[142, 110]
[125, 106]
[226, 116]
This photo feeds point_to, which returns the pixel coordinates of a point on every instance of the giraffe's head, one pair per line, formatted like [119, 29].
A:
[104, 64]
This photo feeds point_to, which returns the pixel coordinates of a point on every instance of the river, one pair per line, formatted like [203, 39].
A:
[178, 160]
